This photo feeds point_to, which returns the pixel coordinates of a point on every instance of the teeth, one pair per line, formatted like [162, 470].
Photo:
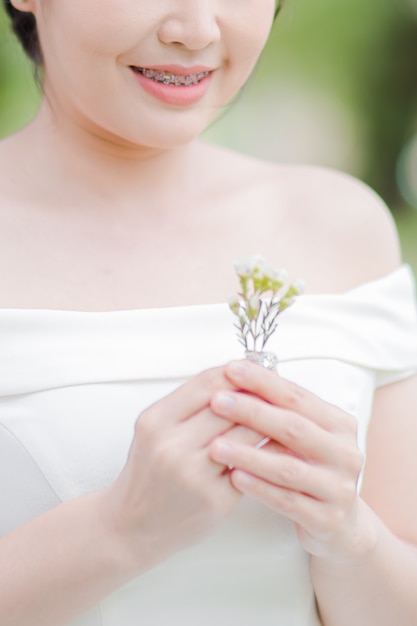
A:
[176, 80]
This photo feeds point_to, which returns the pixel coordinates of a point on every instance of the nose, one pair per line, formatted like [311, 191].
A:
[192, 24]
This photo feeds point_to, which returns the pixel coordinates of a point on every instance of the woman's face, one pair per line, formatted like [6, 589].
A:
[148, 72]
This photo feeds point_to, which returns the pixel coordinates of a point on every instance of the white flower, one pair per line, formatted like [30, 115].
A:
[256, 312]
[288, 301]
[277, 275]
[254, 303]
[244, 267]
[260, 264]
[299, 286]
[234, 304]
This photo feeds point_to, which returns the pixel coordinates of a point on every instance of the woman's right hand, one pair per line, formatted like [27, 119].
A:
[170, 494]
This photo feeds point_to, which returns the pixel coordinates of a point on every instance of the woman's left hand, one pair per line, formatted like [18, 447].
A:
[308, 471]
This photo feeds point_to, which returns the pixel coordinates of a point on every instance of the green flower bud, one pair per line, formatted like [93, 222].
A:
[234, 304]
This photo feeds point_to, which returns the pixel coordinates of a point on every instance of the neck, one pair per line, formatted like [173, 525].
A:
[93, 164]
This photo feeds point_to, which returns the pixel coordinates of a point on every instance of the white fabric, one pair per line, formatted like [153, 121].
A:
[73, 383]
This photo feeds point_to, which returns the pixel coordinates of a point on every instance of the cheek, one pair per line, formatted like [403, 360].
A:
[252, 25]
[250, 34]
[81, 48]
[73, 29]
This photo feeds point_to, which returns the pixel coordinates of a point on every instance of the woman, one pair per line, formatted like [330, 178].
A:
[118, 229]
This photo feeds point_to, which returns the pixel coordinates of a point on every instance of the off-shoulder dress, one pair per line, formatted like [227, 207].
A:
[72, 385]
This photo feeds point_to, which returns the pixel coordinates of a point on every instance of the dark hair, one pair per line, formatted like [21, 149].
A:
[24, 26]
[280, 4]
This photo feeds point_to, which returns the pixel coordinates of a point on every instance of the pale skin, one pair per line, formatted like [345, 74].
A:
[92, 212]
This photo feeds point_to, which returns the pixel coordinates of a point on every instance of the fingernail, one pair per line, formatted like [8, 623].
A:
[237, 369]
[225, 401]
[224, 450]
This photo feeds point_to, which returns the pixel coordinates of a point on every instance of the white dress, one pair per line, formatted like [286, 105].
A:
[73, 383]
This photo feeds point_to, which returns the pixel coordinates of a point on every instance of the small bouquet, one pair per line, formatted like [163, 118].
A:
[264, 294]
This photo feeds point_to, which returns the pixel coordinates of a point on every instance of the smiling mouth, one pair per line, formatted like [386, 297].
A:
[170, 79]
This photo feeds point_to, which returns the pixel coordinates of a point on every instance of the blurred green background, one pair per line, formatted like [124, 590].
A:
[337, 86]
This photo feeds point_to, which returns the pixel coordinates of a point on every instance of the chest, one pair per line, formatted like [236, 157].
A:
[81, 260]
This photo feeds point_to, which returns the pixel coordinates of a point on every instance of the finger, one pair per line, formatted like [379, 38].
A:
[200, 430]
[286, 394]
[187, 400]
[206, 426]
[274, 446]
[289, 429]
[281, 470]
[303, 510]
[242, 434]
[202, 464]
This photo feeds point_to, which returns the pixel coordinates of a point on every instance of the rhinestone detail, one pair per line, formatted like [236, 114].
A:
[269, 360]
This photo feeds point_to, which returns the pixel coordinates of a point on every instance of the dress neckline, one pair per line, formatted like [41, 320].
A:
[404, 268]
[373, 326]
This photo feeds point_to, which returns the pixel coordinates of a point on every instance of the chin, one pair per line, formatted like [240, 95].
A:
[164, 137]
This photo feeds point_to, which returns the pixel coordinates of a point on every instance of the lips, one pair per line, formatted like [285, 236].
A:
[174, 85]
[174, 79]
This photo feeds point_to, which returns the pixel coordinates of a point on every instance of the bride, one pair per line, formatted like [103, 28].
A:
[131, 487]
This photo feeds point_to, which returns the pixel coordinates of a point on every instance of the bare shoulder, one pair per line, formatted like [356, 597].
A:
[344, 225]
[340, 200]
[324, 225]
[353, 219]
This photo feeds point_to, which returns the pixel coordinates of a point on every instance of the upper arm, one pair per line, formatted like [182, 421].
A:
[364, 229]
[390, 475]
[342, 233]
